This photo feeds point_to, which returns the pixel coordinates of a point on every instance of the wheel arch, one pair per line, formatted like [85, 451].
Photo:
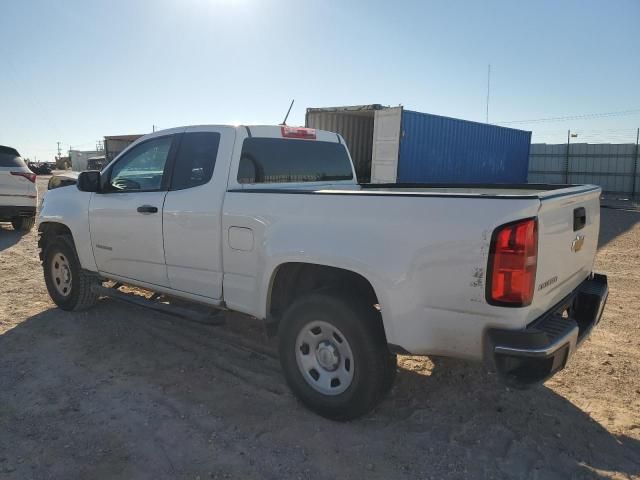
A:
[290, 279]
[50, 229]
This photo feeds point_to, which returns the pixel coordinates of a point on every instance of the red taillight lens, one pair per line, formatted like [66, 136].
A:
[298, 132]
[512, 264]
[28, 175]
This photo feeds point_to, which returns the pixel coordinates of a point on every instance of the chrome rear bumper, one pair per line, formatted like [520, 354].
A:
[530, 356]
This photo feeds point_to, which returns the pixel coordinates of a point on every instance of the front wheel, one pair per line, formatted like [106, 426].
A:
[334, 355]
[69, 286]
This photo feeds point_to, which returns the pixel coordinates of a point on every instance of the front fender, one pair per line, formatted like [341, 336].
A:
[70, 207]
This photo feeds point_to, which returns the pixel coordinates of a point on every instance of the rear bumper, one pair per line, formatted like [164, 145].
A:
[530, 356]
[10, 211]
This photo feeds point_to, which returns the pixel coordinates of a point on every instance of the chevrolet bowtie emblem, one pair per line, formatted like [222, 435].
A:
[577, 243]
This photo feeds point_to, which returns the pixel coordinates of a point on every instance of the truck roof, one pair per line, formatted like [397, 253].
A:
[269, 131]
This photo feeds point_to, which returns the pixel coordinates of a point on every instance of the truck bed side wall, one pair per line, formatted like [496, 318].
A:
[426, 266]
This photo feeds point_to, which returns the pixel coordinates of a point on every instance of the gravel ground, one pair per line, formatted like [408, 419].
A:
[124, 392]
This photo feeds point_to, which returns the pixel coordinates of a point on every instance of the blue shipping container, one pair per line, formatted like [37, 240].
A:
[391, 144]
[435, 149]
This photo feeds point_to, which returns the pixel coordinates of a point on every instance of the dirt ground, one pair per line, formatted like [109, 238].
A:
[124, 392]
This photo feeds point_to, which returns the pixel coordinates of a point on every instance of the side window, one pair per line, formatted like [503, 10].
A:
[142, 168]
[196, 160]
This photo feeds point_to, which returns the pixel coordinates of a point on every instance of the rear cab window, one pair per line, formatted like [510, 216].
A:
[279, 160]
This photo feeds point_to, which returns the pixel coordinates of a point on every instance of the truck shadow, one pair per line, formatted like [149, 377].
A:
[8, 236]
[615, 222]
[120, 390]
[533, 433]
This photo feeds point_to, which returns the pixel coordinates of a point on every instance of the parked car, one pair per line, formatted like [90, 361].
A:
[40, 168]
[63, 179]
[96, 163]
[18, 192]
[269, 221]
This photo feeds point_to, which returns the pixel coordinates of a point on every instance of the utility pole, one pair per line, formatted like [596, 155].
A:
[488, 89]
[635, 166]
[566, 162]
[59, 151]
[153, 128]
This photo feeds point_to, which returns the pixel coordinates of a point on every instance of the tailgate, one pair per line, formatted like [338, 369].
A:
[13, 189]
[568, 228]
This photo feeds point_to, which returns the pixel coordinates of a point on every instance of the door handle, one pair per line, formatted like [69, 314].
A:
[579, 218]
[147, 209]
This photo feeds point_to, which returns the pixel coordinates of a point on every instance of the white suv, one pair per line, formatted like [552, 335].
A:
[18, 192]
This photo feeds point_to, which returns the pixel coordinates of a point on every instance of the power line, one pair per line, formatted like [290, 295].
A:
[587, 116]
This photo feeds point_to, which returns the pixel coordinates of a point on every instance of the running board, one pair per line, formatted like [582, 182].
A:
[214, 317]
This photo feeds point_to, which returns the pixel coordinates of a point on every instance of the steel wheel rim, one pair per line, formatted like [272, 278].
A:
[61, 274]
[324, 358]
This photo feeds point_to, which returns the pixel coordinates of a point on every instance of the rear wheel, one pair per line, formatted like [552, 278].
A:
[334, 355]
[23, 224]
[69, 286]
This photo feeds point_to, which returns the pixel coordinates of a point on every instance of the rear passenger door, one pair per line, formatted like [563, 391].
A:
[193, 208]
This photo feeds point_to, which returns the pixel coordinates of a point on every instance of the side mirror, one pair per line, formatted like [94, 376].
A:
[89, 181]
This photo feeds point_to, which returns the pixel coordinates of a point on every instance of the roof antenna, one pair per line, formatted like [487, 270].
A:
[284, 122]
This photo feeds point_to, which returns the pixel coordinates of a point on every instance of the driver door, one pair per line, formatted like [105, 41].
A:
[125, 218]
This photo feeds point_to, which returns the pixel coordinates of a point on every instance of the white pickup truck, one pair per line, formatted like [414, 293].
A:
[269, 221]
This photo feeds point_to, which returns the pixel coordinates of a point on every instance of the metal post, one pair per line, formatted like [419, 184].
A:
[488, 90]
[566, 162]
[635, 166]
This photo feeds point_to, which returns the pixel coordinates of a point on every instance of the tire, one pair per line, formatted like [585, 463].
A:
[23, 224]
[69, 286]
[308, 342]
[391, 371]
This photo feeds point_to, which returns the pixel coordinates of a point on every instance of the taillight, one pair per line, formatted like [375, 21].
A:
[28, 175]
[513, 258]
[298, 132]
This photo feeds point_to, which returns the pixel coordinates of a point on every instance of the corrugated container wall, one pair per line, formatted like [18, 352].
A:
[435, 149]
[390, 144]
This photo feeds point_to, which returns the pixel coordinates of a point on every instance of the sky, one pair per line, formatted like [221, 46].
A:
[73, 71]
